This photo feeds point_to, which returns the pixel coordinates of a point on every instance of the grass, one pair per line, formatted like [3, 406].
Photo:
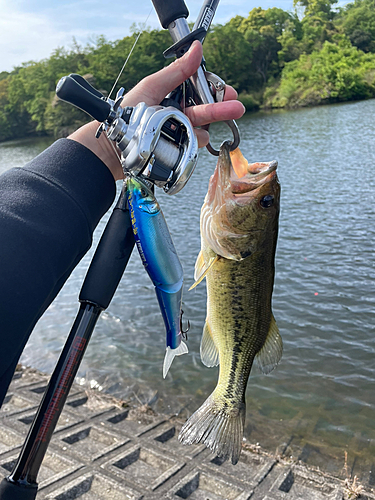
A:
[353, 487]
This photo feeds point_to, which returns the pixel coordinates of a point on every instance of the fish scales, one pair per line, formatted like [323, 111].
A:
[239, 225]
[240, 315]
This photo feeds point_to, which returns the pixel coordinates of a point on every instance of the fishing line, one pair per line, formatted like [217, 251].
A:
[130, 53]
[119, 75]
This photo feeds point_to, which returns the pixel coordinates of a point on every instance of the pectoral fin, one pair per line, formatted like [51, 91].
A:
[209, 352]
[272, 350]
[201, 269]
[199, 265]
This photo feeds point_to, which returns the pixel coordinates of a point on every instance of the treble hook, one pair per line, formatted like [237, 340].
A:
[184, 332]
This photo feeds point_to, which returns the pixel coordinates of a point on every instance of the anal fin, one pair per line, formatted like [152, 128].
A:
[170, 354]
[270, 354]
[209, 352]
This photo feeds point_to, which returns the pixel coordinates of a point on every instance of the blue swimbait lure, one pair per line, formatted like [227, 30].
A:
[161, 262]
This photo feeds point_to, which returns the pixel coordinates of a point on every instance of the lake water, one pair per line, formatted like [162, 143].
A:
[320, 401]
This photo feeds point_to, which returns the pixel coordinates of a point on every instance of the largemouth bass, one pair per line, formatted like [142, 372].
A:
[160, 259]
[239, 226]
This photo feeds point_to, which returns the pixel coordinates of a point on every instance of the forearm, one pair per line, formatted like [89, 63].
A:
[48, 212]
[101, 147]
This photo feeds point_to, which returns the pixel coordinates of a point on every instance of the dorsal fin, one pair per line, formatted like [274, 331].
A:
[272, 350]
[201, 269]
[209, 351]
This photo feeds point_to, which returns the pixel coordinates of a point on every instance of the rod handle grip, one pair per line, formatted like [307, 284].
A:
[110, 260]
[170, 10]
[17, 491]
[70, 90]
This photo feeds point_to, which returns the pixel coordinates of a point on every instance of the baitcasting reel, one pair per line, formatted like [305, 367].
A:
[157, 143]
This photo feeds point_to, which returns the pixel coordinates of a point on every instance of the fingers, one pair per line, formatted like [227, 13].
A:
[155, 87]
[230, 94]
[219, 111]
[203, 137]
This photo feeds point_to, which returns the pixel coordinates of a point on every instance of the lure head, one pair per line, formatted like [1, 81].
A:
[140, 196]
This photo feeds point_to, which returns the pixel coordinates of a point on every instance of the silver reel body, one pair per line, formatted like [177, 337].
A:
[158, 143]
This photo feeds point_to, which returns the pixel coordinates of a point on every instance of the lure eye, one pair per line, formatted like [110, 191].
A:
[267, 201]
[143, 192]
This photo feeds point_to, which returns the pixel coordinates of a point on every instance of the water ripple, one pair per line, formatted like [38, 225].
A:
[322, 392]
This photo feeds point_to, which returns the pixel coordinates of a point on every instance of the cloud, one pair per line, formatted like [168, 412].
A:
[32, 30]
[26, 36]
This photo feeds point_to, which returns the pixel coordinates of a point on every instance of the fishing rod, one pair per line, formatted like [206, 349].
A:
[207, 87]
[164, 155]
[104, 274]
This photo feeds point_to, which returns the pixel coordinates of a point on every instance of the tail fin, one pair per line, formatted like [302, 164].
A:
[219, 428]
[170, 354]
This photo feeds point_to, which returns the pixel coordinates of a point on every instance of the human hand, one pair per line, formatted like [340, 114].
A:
[152, 91]
[155, 87]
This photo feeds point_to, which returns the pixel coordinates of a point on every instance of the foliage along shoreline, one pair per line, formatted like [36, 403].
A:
[317, 54]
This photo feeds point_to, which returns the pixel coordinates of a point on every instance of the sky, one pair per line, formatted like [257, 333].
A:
[31, 29]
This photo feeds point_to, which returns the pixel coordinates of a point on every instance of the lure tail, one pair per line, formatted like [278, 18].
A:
[220, 428]
[170, 354]
[170, 303]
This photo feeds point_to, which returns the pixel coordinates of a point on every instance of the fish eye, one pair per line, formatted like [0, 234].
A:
[267, 201]
[143, 192]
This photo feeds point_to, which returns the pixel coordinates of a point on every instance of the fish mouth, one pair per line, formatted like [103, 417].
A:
[234, 175]
[233, 204]
[245, 177]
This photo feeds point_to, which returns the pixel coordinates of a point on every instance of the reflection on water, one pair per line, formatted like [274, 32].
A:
[320, 400]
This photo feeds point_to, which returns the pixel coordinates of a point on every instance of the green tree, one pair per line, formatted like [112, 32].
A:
[320, 8]
[5, 116]
[229, 55]
[107, 58]
[336, 73]
[357, 20]
[31, 88]
[271, 56]
[291, 41]
[317, 23]
[261, 30]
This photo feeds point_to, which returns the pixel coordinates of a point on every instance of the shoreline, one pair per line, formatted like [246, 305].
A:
[119, 428]
[68, 129]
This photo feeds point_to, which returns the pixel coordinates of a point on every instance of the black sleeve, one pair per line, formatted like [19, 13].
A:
[48, 212]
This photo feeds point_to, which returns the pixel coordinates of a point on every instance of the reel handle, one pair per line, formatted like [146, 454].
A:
[170, 10]
[84, 83]
[82, 95]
